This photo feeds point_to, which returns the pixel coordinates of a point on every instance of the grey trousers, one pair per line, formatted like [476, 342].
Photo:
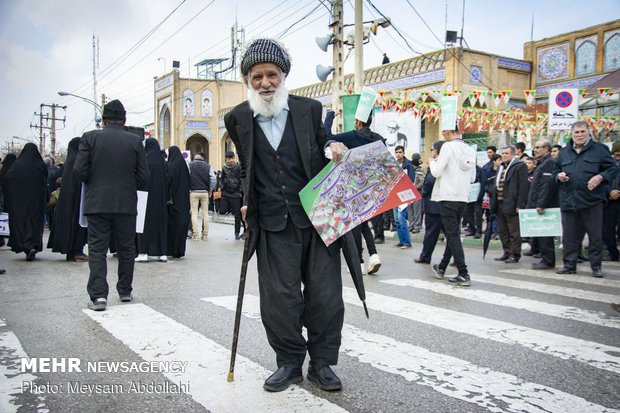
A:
[300, 285]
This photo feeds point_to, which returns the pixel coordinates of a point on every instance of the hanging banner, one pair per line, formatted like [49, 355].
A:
[367, 182]
[563, 108]
[366, 104]
[449, 106]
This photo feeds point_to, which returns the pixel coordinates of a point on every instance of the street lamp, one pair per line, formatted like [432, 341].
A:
[92, 102]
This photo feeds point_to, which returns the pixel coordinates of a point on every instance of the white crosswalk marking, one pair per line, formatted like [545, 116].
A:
[489, 297]
[453, 377]
[546, 288]
[594, 354]
[606, 282]
[11, 353]
[156, 337]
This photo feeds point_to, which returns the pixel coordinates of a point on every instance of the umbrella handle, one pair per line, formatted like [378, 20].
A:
[244, 271]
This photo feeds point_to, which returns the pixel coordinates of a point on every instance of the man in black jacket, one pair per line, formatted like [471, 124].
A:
[511, 195]
[230, 182]
[543, 194]
[112, 164]
[280, 141]
[202, 182]
[581, 168]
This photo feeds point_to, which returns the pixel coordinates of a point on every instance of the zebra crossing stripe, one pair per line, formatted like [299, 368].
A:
[156, 337]
[568, 348]
[11, 353]
[450, 376]
[606, 282]
[554, 310]
[546, 288]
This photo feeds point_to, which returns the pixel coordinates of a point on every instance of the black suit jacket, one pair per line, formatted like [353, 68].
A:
[309, 133]
[112, 163]
[515, 187]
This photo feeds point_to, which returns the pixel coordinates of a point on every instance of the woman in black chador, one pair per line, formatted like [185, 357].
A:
[67, 236]
[152, 242]
[7, 162]
[25, 186]
[179, 210]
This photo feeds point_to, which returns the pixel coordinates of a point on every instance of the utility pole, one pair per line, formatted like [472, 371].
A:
[338, 77]
[95, 64]
[43, 125]
[359, 46]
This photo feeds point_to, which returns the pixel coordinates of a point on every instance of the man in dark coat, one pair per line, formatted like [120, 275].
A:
[111, 163]
[582, 168]
[178, 210]
[153, 241]
[67, 236]
[543, 194]
[25, 186]
[280, 142]
[511, 195]
[230, 182]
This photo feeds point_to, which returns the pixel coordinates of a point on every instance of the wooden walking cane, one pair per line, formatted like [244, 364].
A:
[244, 271]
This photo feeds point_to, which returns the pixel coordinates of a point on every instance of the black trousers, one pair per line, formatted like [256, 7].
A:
[233, 205]
[509, 232]
[546, 247]
[431, 235]
[473, 217]
[575, 224]
[377, 226]
[611, 221]
[364, 230]
[451, 216]
[100, 228]
[288, 261]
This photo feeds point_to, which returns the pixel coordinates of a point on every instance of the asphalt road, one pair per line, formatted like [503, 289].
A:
[517, 341]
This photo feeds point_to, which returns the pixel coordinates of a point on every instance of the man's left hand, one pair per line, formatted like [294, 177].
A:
[594, 182]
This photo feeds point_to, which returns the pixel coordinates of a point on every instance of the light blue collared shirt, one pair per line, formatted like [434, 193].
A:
[273, 127]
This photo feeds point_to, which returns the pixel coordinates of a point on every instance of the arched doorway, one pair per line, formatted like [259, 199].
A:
[198, 144]
[164, 127]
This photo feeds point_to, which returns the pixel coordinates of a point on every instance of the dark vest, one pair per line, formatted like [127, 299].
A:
[278, 177]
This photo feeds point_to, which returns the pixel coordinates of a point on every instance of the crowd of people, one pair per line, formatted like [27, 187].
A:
[282, 144]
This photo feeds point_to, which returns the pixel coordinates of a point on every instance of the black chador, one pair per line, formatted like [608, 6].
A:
[178, 209]
[154, 238]
[25, 185]
[67, 236]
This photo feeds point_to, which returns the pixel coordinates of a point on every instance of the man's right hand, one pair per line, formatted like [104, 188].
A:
[337, 149]
[244, 210]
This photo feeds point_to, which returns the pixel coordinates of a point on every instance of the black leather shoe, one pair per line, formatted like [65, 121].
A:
[512, 260]
[282, 378]
[502, 258]
[542, 266]
[324, 377]
[566, 270]
[420, 261]
[598, 273]
[31, 254]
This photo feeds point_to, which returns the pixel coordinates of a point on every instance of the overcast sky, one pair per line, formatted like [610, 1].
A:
[46, 46]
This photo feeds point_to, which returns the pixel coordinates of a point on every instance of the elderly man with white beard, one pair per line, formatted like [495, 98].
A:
[280, 141]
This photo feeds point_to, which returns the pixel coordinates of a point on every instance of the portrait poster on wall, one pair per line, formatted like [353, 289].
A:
[188, 102]
[206, 106]
[398, 129]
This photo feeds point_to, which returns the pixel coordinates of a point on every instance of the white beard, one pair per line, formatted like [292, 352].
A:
[268, 108]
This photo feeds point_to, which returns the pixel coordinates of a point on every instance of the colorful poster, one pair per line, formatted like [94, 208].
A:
[547, 225]
[368, 181]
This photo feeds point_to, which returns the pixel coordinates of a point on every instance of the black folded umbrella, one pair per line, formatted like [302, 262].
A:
[351, 256]
[487, 235]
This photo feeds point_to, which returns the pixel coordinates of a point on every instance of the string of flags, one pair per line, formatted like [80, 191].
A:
[484, 119]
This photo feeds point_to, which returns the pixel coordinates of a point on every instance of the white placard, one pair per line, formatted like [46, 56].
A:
[83, 219]
[142, 198]
[563, 108]
[4, 223]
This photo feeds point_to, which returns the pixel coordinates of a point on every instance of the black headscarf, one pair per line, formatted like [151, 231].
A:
[67, 236]
[179, 211]
[26, 191]
[154, 238]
